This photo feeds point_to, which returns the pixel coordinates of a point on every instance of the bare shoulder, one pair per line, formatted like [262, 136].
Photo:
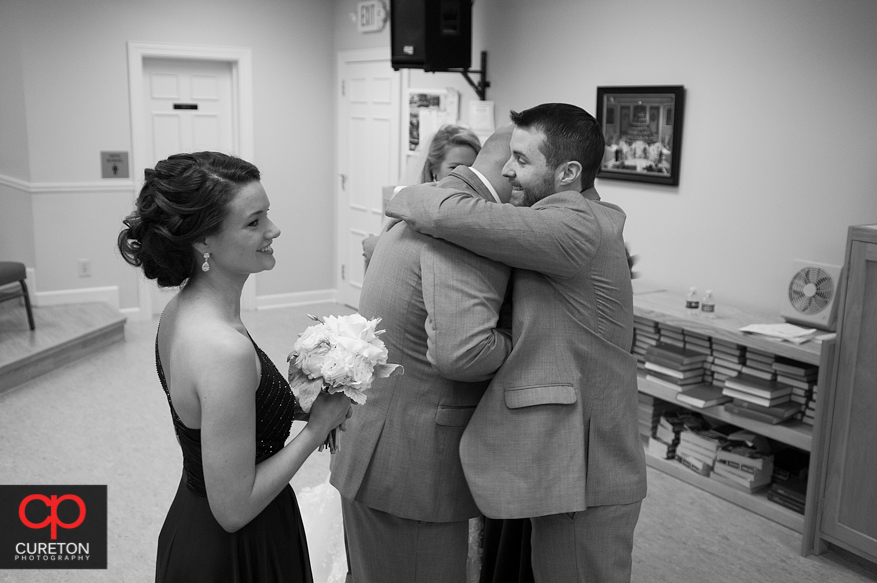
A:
[209, 352]
[222, 349]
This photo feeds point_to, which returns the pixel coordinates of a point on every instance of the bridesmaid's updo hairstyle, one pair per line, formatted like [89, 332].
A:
[183, 200]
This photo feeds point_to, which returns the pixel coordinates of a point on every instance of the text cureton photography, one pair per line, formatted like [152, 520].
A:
[53, 527]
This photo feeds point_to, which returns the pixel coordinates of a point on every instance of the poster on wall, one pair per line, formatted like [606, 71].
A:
[642, 127]
[427, 110]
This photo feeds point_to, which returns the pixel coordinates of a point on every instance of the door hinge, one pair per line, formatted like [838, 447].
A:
[343, 93]
[342, 273]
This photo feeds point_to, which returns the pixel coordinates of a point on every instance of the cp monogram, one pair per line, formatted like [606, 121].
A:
[52, 503]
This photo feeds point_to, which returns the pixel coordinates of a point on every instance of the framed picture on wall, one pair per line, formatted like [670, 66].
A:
[644, 141]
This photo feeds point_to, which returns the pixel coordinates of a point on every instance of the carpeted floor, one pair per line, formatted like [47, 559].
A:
[105, 420]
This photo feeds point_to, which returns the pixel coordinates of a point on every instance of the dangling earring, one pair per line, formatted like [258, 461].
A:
[205, 266]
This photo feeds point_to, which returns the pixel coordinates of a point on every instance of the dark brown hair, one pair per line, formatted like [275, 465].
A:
[571, 133]
[183, 200]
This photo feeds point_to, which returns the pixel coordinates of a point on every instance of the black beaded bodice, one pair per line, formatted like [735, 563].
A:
[275, 405]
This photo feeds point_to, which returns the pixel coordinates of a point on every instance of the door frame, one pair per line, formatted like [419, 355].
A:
[241, 62]
[343, 58]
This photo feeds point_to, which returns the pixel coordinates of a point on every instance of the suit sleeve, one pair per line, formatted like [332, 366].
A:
[463, 294]
[557, 236]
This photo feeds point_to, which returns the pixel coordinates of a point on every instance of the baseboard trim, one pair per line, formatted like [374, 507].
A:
[108, 295]
[289, 300]
[131, 313]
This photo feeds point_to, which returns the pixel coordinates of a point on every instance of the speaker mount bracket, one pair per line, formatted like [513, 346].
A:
[482, 85]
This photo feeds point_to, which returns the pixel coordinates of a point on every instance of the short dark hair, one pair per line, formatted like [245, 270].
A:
[571, 133]
[183, 200]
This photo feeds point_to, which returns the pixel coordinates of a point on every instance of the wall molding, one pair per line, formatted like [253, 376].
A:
[15, 183]
[110, 295]
[289, 300]
[111, 185]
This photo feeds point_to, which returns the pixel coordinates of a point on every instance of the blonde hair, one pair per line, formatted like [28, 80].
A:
[446, 138]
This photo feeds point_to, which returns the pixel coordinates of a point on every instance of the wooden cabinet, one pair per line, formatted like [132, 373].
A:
[669, 308]
[847, 452]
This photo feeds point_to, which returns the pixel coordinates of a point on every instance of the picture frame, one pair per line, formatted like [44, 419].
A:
[642, 127]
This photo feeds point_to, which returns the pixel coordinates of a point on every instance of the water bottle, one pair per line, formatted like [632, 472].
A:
[708, 304]
[691, 302]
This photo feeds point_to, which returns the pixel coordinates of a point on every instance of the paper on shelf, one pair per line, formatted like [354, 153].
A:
[789, 332]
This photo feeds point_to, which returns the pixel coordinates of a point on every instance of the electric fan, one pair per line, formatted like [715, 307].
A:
[810, 295]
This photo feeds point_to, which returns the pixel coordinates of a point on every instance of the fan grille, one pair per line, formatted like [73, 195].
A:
[810, 290]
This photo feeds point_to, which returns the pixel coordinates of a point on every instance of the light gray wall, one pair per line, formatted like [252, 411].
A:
[71, 96]
[777, 155]
[778, 145]
[16, 219]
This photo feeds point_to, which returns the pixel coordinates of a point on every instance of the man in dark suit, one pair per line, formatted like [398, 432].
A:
[555, 436]
[405, 501]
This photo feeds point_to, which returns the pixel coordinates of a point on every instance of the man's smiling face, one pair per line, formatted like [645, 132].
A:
[527, 170]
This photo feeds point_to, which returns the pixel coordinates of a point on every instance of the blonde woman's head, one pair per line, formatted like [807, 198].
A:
[452, 146]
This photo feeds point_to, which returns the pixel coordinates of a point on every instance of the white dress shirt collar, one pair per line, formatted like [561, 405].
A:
[487, 184]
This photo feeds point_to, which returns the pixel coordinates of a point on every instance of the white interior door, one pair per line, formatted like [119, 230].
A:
[368, 157]
[188, 108]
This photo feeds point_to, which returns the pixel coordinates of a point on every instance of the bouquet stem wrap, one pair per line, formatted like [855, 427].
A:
[338, 354]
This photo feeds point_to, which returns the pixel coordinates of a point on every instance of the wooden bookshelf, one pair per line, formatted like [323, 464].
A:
[669, 308]
[791, 432]
[757, 502]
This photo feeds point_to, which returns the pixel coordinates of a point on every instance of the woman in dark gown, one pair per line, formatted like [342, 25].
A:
[200, 222]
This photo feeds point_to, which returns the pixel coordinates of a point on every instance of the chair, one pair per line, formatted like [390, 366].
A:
[11, 272]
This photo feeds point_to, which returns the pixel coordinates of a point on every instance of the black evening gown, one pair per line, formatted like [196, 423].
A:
[193, 547]
[506, 557]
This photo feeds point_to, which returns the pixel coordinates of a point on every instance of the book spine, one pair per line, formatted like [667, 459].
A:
[750, 466]
[744, 388]
[787, 493]
[790, 504]
[757, 415]
[748, 397]
[694, 465]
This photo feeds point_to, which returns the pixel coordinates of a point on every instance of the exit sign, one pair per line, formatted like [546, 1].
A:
[370, 16]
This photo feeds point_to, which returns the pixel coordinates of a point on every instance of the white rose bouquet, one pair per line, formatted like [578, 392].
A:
[339, 354]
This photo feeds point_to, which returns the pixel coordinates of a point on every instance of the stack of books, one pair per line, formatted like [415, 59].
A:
[772, 415]
[698, 448]
[645, 334]
[703, 396]
[809, 416]
[790, 463]
[663, 442]
[650, 411]
[670, 334]
[758, 391]
[802, 378]
[703, 344]
[791, 493]
[673, 366]
[697, 342]
[744, 467]
[727, 360]
[759, 364]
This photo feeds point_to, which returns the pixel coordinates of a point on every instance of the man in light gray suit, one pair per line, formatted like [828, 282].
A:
[555, 436]
[405, 500]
